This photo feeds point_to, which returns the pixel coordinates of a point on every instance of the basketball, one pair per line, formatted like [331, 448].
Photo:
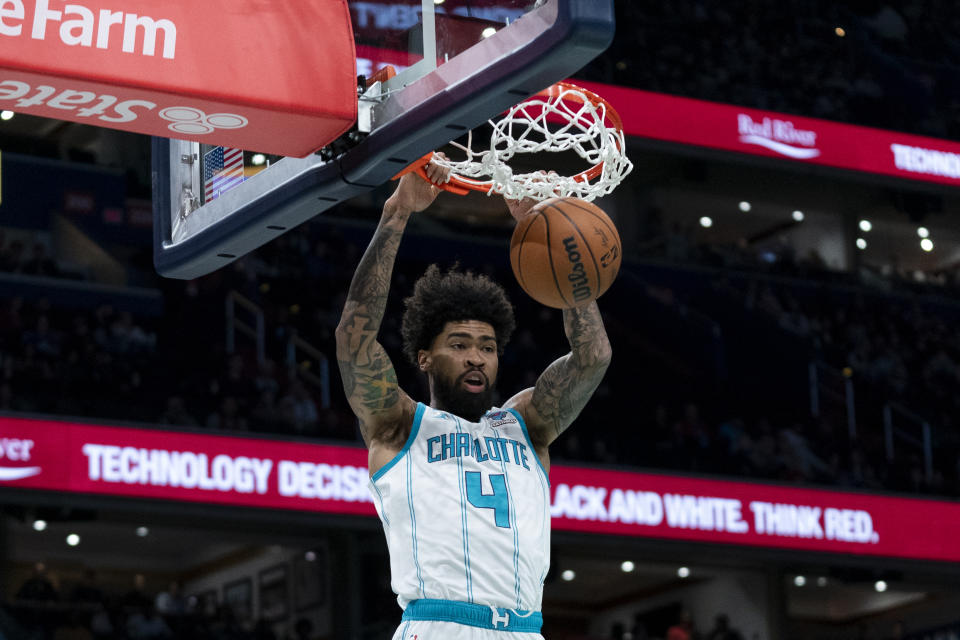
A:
[565, 253]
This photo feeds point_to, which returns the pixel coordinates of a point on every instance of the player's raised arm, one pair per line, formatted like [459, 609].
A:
[384, 411]
[563, 389]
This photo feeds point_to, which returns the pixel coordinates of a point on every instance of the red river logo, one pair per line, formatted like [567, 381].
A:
[779, 136]
[16, 450]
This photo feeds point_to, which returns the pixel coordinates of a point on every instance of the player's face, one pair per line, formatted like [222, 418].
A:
[462, 366]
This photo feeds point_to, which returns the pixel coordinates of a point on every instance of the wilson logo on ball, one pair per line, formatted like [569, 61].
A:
[565, 253]
[577, 276]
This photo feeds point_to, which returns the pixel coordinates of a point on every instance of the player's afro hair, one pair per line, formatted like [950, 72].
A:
[454, 296]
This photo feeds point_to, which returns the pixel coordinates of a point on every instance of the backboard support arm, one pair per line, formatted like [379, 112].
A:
[551, 43]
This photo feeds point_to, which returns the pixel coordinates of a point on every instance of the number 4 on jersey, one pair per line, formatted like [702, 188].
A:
[497, 500]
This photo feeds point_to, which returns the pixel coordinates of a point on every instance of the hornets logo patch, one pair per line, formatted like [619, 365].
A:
[500, 418]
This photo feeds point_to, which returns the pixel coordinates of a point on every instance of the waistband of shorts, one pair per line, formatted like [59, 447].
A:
[474, 615]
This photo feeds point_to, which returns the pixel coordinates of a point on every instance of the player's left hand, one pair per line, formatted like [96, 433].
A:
[520, 209]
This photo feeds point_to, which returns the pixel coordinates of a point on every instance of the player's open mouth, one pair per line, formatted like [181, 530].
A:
[475, 382]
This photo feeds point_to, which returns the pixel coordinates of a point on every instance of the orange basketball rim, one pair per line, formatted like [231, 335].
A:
[582, 121]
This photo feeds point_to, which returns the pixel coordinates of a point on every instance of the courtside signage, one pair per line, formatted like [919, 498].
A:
[252, 472]
[185, 69]
[777, 135]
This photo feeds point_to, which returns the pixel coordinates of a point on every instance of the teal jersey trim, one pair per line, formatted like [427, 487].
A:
[526, 434]
[474, 615]
[418, 416]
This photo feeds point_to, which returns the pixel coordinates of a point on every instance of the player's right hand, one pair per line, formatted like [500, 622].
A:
[416, 194]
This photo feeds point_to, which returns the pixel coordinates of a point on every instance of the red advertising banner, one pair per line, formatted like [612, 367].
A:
[184, 69]
[148, 463]
[154, 464]
[776, 135]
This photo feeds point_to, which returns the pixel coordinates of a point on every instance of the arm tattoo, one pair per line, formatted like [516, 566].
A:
[369, 379]
[371, 282]
[564, 388]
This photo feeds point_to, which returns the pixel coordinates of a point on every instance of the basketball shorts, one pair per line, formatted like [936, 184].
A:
[449, 620]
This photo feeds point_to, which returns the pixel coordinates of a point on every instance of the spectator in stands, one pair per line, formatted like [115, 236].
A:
[897, 631]
[265, 415]
[8, 401]
[303, 630]
[176, 413]
[45, 341]
[11, 260]
[73, 628]
[722, 629]
[88, 590]
[236, 382]
[639, 629]
[299, 408]
[127, 337]
[226, 626]
[137, 598]
[146, 624]
[683, 629]
[38, 587]
[39, 263]
[692, 436]
[171, 602]
[266, 378]
[263, 630]
[102, 624]
[228, 416]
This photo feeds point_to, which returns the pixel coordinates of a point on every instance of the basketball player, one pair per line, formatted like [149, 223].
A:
[460, 486]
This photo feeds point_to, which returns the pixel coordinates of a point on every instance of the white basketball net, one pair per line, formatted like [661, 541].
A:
[525, 129]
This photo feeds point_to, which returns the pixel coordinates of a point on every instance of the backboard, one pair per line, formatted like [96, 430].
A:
[456, 63]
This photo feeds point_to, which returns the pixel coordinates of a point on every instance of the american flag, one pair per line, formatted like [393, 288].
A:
[222, 171]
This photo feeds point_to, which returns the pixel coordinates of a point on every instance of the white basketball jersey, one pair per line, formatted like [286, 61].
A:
[465, 508]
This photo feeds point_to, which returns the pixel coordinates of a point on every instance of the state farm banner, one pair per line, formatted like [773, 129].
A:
[255, 472]
[247, 74]
[777, 135]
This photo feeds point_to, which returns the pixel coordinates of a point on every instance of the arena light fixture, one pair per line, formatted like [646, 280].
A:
[923, 232]
[438, 1]
[821, 581]
[798, 215]
[143, 532]
[568, 575]
[880, 586]
[861, 244]
[926, 244]
[258, 159]
[745, 206]
[73, 539]
[311, 556]
[627, 566]
[6, 115]
[489, 31]
[683, 572]
[39, 525]
[866, 226]
[799, 580]
[840, 31]
[706, 222]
